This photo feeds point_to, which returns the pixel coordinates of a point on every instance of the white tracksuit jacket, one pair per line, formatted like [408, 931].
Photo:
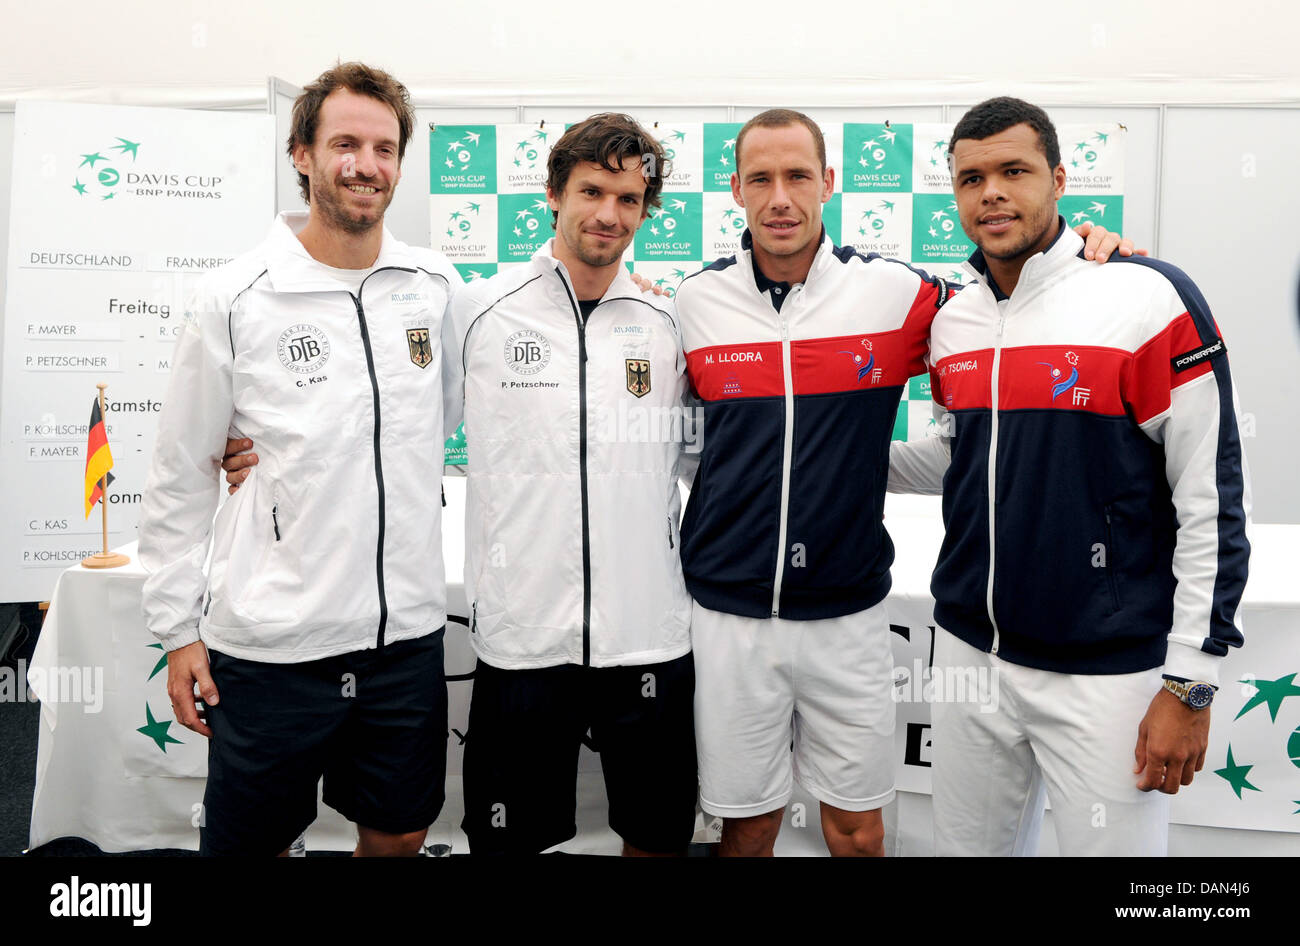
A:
[574, 443]
[334, 542]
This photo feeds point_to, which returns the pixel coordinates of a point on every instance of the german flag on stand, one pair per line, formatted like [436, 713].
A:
[98, 459]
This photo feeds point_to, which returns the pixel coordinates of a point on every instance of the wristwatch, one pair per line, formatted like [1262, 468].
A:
[1196, 695]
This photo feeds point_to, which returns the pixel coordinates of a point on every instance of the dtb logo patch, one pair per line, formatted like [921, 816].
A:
[527, 352]
[303, 348]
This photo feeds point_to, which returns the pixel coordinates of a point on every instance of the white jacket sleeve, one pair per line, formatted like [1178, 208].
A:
[453, 374]
[184, 482]
[1184, 398]
[918, 466]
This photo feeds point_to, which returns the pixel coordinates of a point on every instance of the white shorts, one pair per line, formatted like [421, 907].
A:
[1033, 733]
[825, 685]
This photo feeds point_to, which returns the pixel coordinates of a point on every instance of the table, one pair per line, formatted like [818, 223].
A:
[113, 768]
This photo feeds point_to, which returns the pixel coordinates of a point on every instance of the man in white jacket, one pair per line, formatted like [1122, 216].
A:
[315, 640]
[573, 383]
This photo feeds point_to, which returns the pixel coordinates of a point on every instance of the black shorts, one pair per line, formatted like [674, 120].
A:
[372, 722]
[521, 754]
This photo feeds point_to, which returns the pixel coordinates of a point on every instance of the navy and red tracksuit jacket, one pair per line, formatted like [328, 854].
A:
[800, 386]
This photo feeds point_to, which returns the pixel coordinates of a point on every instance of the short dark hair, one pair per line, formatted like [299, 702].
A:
[608, 139]
[995, 115]
[355, 77]
[782, 118]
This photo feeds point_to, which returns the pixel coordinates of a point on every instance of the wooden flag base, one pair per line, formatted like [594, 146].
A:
[105, 560]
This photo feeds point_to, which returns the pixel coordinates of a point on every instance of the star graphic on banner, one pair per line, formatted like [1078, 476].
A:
[157, 730]
[518, 232]
[934, 163]
[472, 206]
[516, 162]
[723, 229]
[455, 215]
[128, 146]
[730, 212]
[938, 144]
[453, 146]
[889, 135]
[108, 196]
[938, 215]
[541, 135]
[932, 233]
[1098, 208]
[679, 135]
[887, 205]
[1101, 137]
[523, 144]
[540, 204]
[868, 213]
[472, 137]
[1272, 692]
[861, 232]
[1235, 775]
[661, 280]
[449, 233]
[654, 230]
[868, 145]
[1079, 215]
[678, 204]
[954, 276]
[474, 274]
[863, 161]
[1081, 146]
[450, 163]
[523, 213]
[91, 159]
[160, 665]
[729, 143]
[679, 274]
[723, 161]
[79, 187]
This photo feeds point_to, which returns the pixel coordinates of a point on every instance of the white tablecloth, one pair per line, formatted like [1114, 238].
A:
[109, 771]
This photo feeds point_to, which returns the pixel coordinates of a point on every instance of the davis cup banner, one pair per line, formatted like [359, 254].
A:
[115, 211]
[893, 196]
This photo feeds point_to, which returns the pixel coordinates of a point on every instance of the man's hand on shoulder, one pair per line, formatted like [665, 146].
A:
[1172, 740]
[187, 666]
[237, 462]
[1099, 243]
[646, 285]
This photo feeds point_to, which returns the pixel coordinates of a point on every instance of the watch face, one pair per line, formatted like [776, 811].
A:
[1200, 696]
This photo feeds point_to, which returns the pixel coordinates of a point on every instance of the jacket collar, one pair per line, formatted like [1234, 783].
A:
[622, 287]
[1038, 269]
[291, 268]
[762, 281]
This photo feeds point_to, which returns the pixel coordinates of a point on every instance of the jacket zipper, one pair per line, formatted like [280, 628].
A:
[992, 470]
[786, 456]
[275, 521]
[582, 471]
[1110, 561]
[379, 465]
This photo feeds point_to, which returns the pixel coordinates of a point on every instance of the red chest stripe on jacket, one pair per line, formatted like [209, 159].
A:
[723, 372]
[1152, 376]
[961, 382]
[1068, 378]
[855, 362]
[1059, 377]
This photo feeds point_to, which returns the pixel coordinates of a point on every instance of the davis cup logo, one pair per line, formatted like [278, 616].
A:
[873, 221]
[528, 151]
[942, 225]
[732, 224]
[527, 352]
[460, 152]
[96, 177]
[303, 348]
[1085, 154]
[460, 223]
